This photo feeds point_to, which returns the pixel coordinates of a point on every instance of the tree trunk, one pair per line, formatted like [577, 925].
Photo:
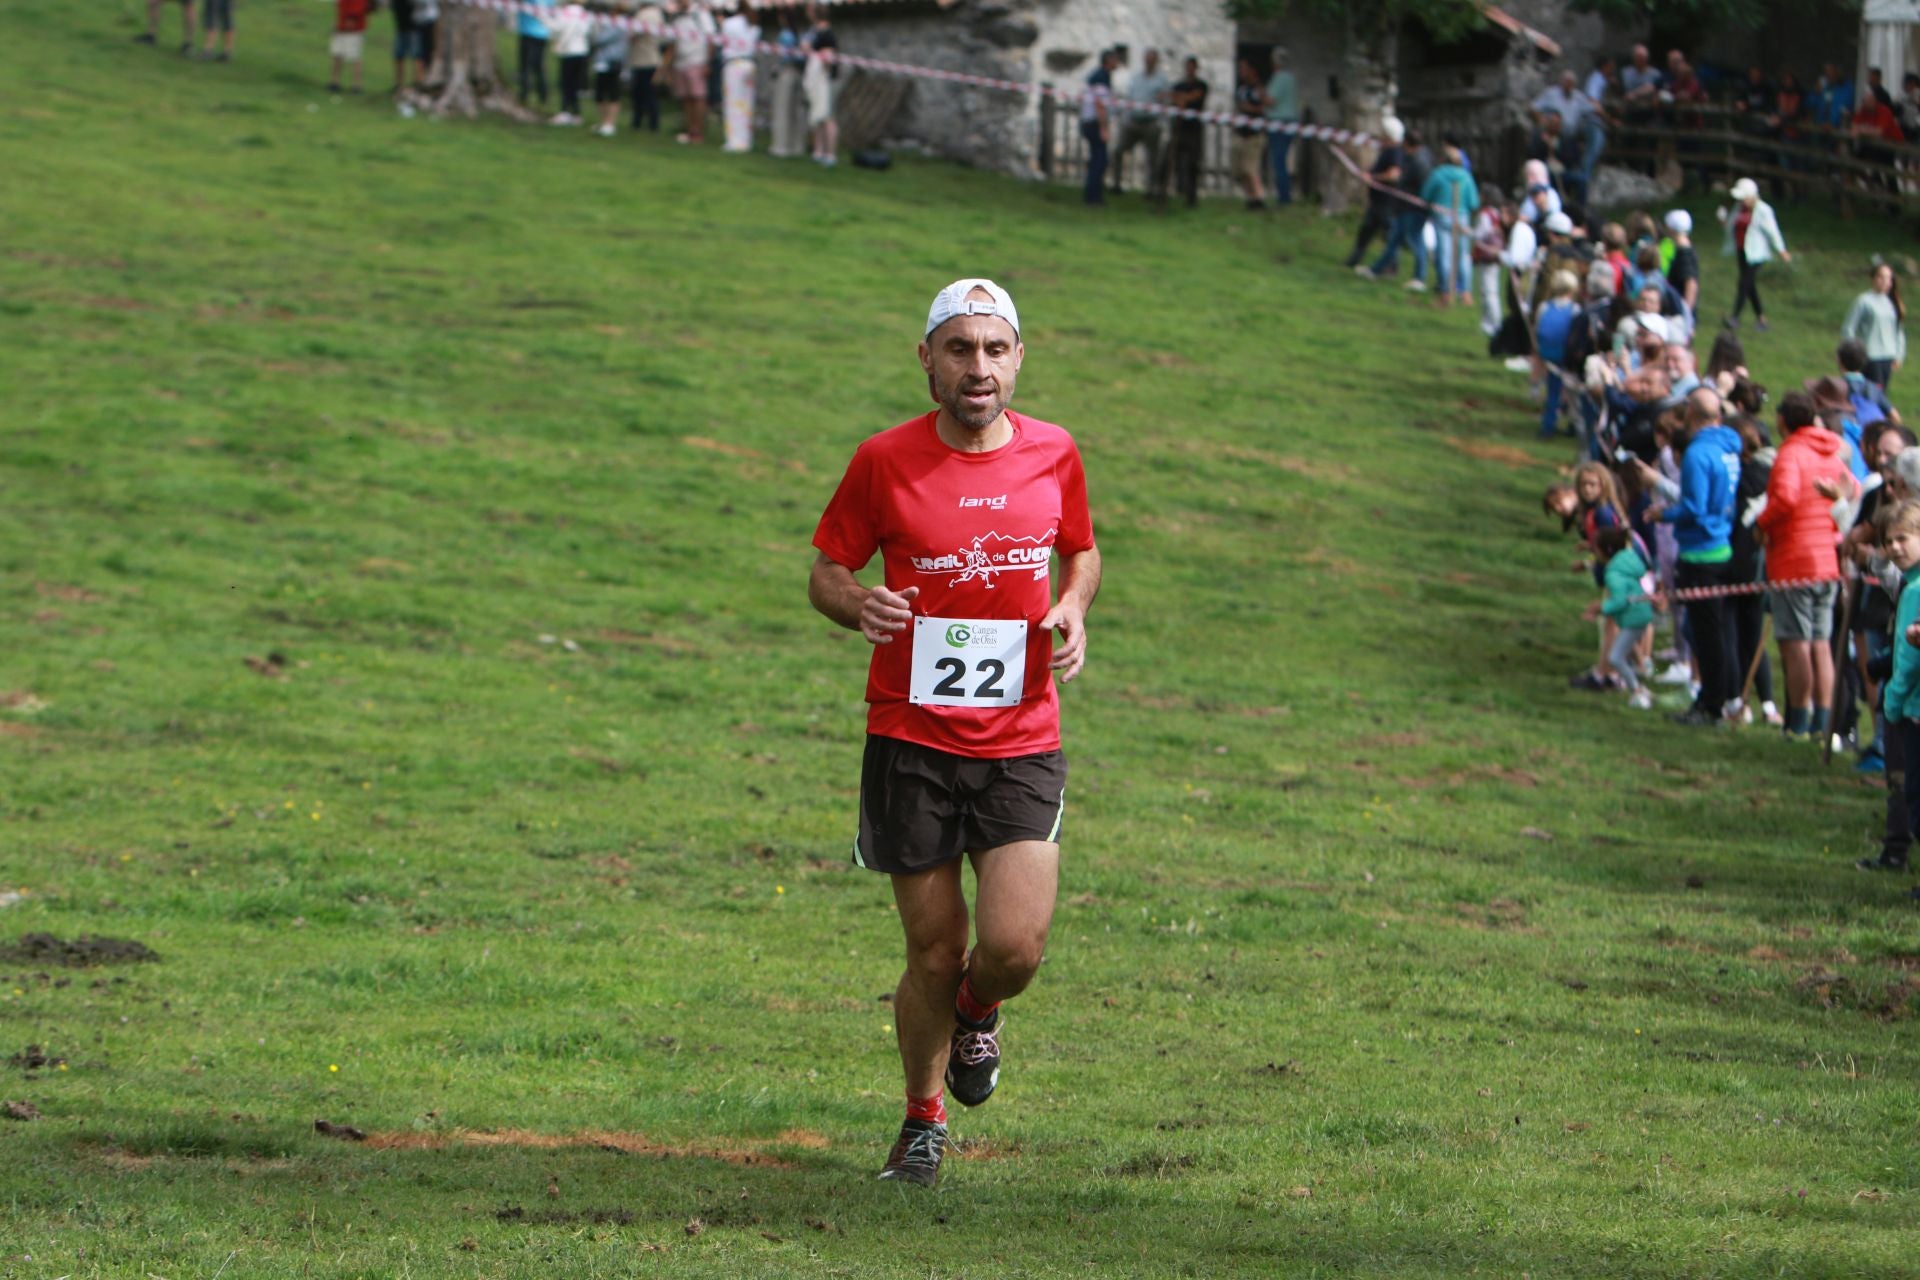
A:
[1367, 98]
[466, 77]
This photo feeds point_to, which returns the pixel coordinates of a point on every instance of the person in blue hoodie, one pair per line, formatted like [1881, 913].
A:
[1702, 521]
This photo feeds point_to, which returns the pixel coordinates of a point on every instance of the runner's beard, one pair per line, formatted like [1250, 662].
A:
[953, 400]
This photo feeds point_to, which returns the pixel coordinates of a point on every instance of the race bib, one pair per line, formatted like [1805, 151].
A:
[962, 662]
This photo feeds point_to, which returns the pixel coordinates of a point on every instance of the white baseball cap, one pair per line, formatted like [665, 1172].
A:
[1560, 224]
[1679, 221]
[1745, 189]
[952, 302]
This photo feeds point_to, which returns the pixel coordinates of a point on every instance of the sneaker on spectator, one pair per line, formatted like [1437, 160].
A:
[1365, 272]
[1871, 762]
[1519, 364]
[1592, 681]
[1882, 863]
[1694, 717]
[1417, 285]
[1676, 673]
[1771, 714]
[1641, 699]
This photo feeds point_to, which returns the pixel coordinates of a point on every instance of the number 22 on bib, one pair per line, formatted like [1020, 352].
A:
[968, 662]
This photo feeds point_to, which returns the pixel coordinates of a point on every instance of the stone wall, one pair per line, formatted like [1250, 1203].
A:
[1031, 41]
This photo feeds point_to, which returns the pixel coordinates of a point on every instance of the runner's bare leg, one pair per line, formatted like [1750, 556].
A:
[933, 914]
[1013, 910]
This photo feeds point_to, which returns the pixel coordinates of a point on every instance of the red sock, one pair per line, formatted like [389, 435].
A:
[969, 1006]
[933, 1109]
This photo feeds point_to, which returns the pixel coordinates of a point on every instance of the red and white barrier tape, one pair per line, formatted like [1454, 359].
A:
[1685, 594]
[1071, 97]
[1375, 183]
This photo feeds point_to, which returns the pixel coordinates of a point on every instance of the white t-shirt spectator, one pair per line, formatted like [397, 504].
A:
[569, 27]
[1147, 87]
[692, 33]
[738, 35]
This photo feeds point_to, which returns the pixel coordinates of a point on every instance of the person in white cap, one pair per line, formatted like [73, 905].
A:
[968, 506]
[1753, 239]
[1682, 264]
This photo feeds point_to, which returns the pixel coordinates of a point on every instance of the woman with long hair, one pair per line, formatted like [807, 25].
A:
[1877, 321]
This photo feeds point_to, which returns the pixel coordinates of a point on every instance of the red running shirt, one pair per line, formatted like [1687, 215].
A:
[973, 532]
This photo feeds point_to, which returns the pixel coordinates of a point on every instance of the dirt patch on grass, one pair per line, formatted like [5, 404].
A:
[67, 592]
[987, 1148]
[81, 953]
[1487, 451]
[14, 729]
[1500, 914]
[632, 1144]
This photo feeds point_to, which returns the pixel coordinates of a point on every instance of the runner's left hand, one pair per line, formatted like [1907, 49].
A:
[1071, 654]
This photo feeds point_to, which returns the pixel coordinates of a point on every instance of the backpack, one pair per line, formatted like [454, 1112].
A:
[1865, 411]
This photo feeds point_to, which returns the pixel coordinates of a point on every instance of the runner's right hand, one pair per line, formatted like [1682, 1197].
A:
[885, 613]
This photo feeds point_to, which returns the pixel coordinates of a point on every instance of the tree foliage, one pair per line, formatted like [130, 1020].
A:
[1446, 19]
[1747, 15]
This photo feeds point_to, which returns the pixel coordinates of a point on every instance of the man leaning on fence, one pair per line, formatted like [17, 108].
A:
[1096, 123]
[1148, 87]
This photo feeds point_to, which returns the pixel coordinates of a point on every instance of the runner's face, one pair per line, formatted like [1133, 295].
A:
[972, 363]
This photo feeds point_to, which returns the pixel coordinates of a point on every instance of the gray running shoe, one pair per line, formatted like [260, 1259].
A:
[916, 1153]
[973, 1063]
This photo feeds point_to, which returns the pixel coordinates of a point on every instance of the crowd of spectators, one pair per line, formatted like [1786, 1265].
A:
[1703, 508]
[622, 53]
[1573, 118]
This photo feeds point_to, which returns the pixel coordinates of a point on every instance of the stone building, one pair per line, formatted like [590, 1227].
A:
[1033, 42]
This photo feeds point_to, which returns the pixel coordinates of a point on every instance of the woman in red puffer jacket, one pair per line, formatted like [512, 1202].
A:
[1800, 535]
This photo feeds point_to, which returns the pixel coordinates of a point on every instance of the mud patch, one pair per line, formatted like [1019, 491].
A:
[1486, 451]
[19, 1110]
[35, 1058]
[987, 1148]
[632, 1144]
[1499, 914]
[84, 952]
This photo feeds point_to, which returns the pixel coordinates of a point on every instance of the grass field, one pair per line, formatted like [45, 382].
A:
[403, 537]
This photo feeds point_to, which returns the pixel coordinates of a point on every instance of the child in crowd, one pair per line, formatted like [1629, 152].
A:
[1902, 699]
[349, 41]
[1628, 604]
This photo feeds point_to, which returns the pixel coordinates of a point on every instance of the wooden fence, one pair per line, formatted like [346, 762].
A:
[1711, 144]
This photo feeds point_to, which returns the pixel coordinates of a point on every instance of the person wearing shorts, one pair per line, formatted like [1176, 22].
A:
[1810, 473]
[691, 33]
[967, 506]
[216, 26]
[348, 45]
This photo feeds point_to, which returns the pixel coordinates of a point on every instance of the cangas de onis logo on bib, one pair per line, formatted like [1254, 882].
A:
[968, 662]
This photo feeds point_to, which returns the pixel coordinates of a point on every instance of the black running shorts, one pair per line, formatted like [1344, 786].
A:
[920, 807]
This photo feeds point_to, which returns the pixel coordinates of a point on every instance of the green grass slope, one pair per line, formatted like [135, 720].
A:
[403, 536]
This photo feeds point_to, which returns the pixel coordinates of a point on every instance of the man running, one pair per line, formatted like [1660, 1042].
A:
[966, 505]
